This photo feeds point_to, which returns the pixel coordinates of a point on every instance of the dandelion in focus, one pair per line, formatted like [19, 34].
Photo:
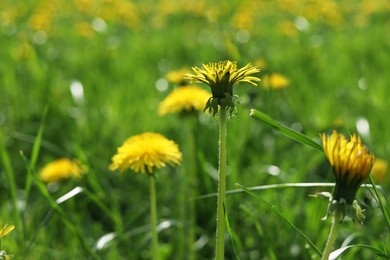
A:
[62, 169]
[351, 163]
[186, 99]
[221, 77]
[144, 153]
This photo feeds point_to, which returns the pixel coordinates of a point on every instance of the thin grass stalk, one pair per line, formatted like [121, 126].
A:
[337, 215]
[153, 218]
[379, 197]
[35, 153]
[190, 189]
[277, 212]
[17, 216]
[65, 218]
[220, 246]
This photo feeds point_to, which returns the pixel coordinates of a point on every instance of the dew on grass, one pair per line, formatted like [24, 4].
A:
[363, 127]
[162, 84]
[77, 91]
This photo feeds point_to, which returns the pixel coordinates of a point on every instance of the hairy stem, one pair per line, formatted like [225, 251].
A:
[220, 247]
[153, 218]
[332, 233]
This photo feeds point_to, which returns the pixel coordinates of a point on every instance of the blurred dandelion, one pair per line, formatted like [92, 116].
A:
[143, 153]
[379, 170]
[221, 77]
[186, 99]
[351, 163]
[62, 169]
[275, 81]
[177, 76]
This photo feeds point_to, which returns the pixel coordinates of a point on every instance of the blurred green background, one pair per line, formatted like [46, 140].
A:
[99, 66]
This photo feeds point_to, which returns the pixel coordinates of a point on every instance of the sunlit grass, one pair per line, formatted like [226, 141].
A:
[99, 68]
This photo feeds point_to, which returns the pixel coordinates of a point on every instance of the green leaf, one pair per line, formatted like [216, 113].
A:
[297, 136]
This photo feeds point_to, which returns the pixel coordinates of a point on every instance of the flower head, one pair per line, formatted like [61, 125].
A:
[61, 169]
[5, 229]
[351, 163]
[275, 81]
[221, 77]
[144, 152]
[177, 76]
[379, 170]
[185, 99]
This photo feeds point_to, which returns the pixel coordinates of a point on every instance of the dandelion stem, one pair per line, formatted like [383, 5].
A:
[153, 218]
[220, 247]
[332, 233]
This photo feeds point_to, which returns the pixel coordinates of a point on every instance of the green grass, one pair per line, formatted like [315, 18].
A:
[119, 68]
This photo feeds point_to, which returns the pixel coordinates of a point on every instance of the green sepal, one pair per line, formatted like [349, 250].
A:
[353, 211]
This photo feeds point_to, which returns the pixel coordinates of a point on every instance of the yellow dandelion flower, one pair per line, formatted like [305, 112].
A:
[351, 163]
[275, 81]
[5, 230]
[379, 170]
[185, 99]
[62, 169]
[144, 152]
[221, 77]
[177, 76]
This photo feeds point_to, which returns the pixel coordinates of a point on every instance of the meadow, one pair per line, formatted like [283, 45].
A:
[77, 78]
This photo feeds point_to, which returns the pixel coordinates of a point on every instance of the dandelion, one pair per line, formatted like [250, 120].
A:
[275, 81]
[62, 169]
[144, 153]
[379, 170]
[221, 78]
[186, 99]
[351, 163]
[177, 76]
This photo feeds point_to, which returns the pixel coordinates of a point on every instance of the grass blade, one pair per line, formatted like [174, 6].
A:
[384, 210]
[270, 186]
[229, 230]
[340, 251]
[63, 216]
[277, 212]
[297, 136]
[5, 160]
[35, 153]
